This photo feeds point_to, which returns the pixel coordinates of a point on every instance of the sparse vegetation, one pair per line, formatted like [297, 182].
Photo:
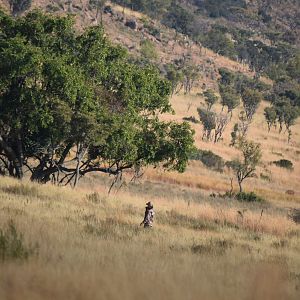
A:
[248, 197]
[210, 98]
[245, 168]
[209, 159]
[12, 245]
[88, 105]
[284, 163]
[148, 51]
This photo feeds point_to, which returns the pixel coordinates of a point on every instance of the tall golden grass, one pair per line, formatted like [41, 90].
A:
[90, 246]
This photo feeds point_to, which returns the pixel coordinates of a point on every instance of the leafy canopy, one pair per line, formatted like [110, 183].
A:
[65, 94]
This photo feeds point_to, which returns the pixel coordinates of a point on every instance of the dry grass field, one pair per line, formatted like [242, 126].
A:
[59, 243]
[84, 244]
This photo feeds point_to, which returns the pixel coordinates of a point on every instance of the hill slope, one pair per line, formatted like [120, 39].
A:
[277, 180]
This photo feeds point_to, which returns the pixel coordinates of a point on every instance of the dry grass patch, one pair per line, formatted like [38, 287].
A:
[91, 247]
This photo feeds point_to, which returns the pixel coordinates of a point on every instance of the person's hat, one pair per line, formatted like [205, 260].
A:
[149, 204]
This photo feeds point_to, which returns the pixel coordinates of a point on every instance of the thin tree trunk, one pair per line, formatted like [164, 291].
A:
[240, 186]
[80, 153]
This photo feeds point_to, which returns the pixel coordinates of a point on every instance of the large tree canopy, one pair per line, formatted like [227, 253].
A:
[73, 104]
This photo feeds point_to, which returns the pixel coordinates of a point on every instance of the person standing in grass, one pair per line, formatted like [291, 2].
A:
[149, 215]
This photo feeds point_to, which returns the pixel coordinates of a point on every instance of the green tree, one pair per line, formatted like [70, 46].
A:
[210, 98]
[191, 75]
[222, 121]
[227, 77]
[219, 42]
[61, 92]
[270, 116]
[178, 18]
[208, 120]
[251, 100]
[175, 76]
[244, 168]
[234, 134]
[229, 97]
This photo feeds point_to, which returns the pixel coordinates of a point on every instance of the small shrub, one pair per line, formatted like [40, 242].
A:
[19, 6]
[249, 197]
[12, 244]
[191, 119]
[151, 28]
[209, 159]
[290, 192]
[284, 163]
[148, 50]
[277, 153]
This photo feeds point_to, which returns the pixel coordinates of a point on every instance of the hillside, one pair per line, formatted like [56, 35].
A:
[102, 130]
[167, 48]
[274, 145]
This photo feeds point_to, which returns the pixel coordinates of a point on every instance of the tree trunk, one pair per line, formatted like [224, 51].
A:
[80, 153]
[42, 173]
[240, 186]
[20, 159]
[15, 159]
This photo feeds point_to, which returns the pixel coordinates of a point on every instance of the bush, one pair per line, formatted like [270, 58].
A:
[179, 19]
[19, 6]
[248, 197]
[148, 50]
[209, 159]
[151, 28]
[284, 163]
[191, 119]
[12, 244]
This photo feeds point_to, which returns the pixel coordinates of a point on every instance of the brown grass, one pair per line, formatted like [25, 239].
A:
[92, 247]
[274, 147]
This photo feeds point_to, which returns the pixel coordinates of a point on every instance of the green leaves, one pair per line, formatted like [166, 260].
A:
[245, 168]
[229, 97]
[61, 92]
[251, 100]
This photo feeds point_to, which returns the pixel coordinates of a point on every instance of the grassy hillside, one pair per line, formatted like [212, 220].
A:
[274, 146]
[59, 243]
[84, 245]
